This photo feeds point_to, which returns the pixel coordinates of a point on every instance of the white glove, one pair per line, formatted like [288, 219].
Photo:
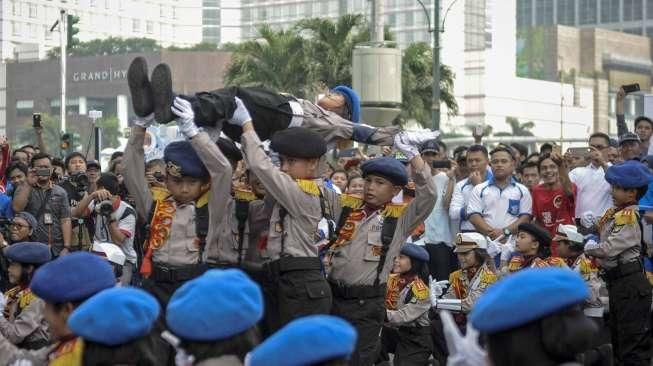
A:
[493, 248]
[241, 114]
[144, 122]
[506, 251]
[409, 150]
[591, 244]
[3, 302]
[436, 289]
[463, 351]
[587, 219]
[185, 117]
[416, 138]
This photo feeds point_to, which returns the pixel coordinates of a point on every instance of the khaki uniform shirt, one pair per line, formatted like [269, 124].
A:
[300, 225]
[26, 325]
[466, 290]
[181, 247]
[355, 262]
[413, 312]
[620, 236]
[593, 306]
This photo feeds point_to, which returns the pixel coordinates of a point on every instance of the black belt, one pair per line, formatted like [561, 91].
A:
[623, 270]
[288, 264]
[357, 292]
[176, 274]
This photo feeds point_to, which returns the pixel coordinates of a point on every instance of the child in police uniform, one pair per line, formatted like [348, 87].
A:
[619, 251]
[533, 247]
[407, 333]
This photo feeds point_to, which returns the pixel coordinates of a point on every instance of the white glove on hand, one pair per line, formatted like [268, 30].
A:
[463, 351]
[436, 289]
[3, 302]
[410, 151]
[144, 122]
[416, 138]
[587, 219]
[591, 244]
[493, 247]
[506, 251]
[241, 114]
[185, 116]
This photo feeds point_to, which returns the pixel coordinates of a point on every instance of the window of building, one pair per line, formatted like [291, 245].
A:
[211, 34]
[46, 33]
[24, 108]
[149, 27]
[587, 11]
[392, 19]
[544, 12]
[32, 11]
[637, 30]
[475, 24]
[15, 28]
[633, 10]
[609, 11]
[92, 3]
[649, 9]
[174, 13]
[566, 12]
[410, 18]
[211, 3]
[107, 4]
[649, 32]
[136, 25]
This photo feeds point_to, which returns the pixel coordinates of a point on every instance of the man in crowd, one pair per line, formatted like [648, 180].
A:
[477, 163]
[76, 186]
[497, 206]
[630, 146]
[48, 203]
[643, 126]
[530, 175]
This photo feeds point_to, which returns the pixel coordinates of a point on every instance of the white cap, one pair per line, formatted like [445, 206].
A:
[110, 251]
[568, 232]
[468, 241]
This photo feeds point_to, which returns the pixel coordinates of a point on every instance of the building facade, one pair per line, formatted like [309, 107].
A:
[25, 24]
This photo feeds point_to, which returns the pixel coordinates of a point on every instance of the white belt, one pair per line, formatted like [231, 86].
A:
[298, 114]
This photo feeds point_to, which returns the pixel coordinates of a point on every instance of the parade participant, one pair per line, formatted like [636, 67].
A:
[116, 326]
[356, 186]
[467, 284]
[308, 341]
[370, 232]
[22, 322]
[198, 178]
[497, 206]
[294, 285]
[63, 284]
[533, 244]
[339, 179]
[271, 111]
[550, 331]
[407, 333]
[554, 200]
[619, 249]
[477, 163]
[215, 315]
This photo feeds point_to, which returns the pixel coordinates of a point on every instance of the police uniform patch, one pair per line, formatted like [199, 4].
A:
[625, 217]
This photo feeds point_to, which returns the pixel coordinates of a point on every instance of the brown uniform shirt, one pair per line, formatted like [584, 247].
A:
[620, 236]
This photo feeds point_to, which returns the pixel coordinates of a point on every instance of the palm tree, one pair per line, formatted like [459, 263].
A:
[276, 60]
[520, 129]
[417, 85]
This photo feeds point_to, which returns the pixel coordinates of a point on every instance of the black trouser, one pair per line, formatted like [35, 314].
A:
[164, 281]
[630, 306]
[442, 260]
[411, 346]
[367, 315]
[293, 288]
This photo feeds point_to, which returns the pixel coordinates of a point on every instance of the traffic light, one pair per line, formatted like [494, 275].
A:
[66, 142]
[71, 26]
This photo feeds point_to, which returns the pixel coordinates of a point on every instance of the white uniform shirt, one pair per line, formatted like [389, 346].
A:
[500, 207]
[594, 192]
[436, 226]
[458, 208]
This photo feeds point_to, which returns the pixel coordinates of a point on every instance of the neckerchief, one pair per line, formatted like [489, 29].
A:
[396, 284]
[69, 352]
[346, 232]
[160, 228]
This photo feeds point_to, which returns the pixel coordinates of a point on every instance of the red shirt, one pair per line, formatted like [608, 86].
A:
[552, 207]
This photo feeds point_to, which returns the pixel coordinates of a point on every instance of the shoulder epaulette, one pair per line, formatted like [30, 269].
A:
[587, 267]
[393, 210]
[244, 195]
[625, 217]
[159, 193]
[420, 290]
[515, 263]
[347, 200]
[454, 276]
[203, 200]
[488, 277]
[556, 262]
[308, 186]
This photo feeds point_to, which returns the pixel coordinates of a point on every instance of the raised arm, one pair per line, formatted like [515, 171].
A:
[134, 171]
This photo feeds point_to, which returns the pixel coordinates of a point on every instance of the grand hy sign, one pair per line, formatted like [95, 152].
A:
[101, 75]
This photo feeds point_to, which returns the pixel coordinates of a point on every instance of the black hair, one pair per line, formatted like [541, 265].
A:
[550, 340]
[145, 351]
[460, 149]
[352, 177]
[477, 148]
[238, 345]
[546, 146]
[502, 148]
[69, 157]
[116, 154]
[18, 165]
[419, 268]
[109, 181]
[643, 118]
[535, 154]
[523, 150]
[601, 135]
[154, 162]
[530, 164]
[542, 158]
[339, 171]
[58, 162]
[27, 147]
[39, 156]
[442, 145]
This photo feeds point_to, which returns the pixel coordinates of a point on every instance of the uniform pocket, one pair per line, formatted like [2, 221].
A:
[317, 289]
[373, 247]
[513, 207]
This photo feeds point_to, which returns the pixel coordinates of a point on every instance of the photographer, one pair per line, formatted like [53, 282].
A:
[76, 185]
[115, 220]
[48, 203]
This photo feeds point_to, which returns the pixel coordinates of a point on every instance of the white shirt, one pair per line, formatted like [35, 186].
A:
[594, 192]
[436, 224]
[459, 201]
[500, 207]
[126, 224]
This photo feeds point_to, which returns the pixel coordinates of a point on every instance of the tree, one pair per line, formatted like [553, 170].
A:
[110, 127]
[520, 129]
[51, 136]
[417, 85]
[109, 46]
[203, 46]
[276, 60]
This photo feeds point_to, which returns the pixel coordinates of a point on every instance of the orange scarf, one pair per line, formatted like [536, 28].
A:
[396, 284]
[160, 229]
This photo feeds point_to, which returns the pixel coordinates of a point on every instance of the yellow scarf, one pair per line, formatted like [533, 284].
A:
[68, 353]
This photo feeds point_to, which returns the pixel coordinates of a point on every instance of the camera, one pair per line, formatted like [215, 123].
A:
[36, 120]
[159, 177]
[104, 208]
[80, 181]
[5, 223]
[43, 172]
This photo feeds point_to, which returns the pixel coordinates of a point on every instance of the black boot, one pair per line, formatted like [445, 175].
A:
[162, 93]
[140, 87]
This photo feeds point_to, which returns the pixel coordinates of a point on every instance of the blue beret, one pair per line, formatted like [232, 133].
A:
[352, 100]
[306, 341]
[28, 253]
[415, 251]
[629, 174]
[217, 305]
[182, 160]
[526, 296]
[387, 167]
[298, 142]
[115, 316]
[73, 277]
